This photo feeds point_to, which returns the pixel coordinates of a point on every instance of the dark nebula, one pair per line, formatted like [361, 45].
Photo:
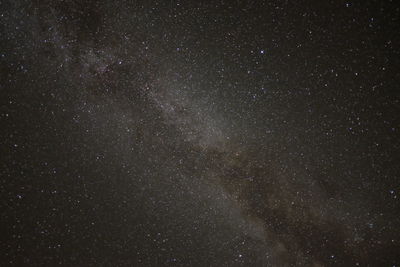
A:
[190, 133]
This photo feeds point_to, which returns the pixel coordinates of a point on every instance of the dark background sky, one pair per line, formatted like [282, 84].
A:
[180, 133]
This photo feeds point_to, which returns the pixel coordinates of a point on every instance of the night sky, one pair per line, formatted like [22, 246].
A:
[199, 133]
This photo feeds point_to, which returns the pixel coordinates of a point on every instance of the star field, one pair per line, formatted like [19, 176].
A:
[186, 133]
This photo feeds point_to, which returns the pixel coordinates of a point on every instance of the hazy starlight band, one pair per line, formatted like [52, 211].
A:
[181, 133]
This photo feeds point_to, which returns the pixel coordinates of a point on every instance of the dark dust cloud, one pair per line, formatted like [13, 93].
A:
[187, 133]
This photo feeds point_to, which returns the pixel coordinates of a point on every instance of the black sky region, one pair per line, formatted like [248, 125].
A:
[199, 133]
